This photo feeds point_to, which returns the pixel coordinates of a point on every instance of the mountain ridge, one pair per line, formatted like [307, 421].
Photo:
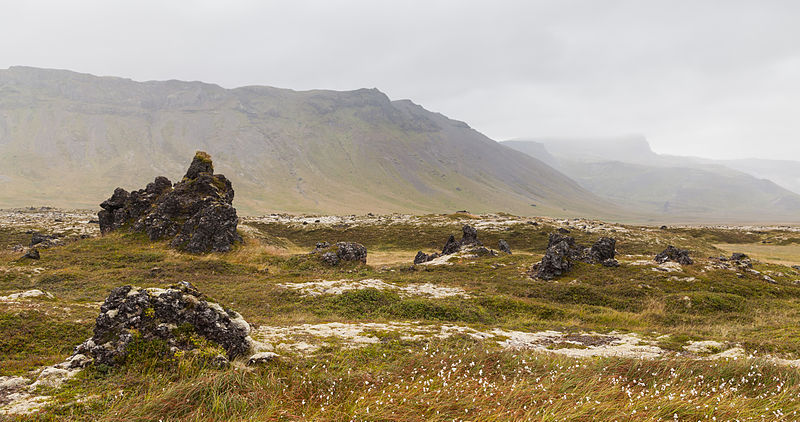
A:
[699, 190]
[67, 139]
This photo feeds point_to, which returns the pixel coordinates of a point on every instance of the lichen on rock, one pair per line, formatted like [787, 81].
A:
[131, 313]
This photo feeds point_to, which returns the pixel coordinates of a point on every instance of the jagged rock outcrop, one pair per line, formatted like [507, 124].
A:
[469, 240]
[166, 314]
[674, 254]
[197, 212]
[342, 251]
[503, 246]
[451, 246]
[562, 251]
[469, 236]
[557, 259]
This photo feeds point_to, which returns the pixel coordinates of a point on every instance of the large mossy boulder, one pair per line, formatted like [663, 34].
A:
[196, 213]
[176, 316]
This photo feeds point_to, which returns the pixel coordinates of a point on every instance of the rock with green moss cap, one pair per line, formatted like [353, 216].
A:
[196, 213]
[177, 316]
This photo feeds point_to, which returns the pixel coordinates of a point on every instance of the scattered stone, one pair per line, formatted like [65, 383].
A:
[741, 260]
[342, 251]
[28, 294]
[563, 230]
[451, 246]
[469, 240]
[557, 259]
[32, 253]
[611, 263]
[43, 240]
[422, 257]
[602, 250]
[664, 227]
[261, 358]
[196, 212]
[503, 246]
[130, 312]
[674, 254]
[469, 236]
[562, 251]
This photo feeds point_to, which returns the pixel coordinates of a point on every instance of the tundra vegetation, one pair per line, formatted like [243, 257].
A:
[463, 337]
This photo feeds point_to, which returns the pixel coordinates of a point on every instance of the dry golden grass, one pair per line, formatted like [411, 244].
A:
[776, 254]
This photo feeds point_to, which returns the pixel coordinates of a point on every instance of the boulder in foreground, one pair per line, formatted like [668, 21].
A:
[197, 212]
[172, 315]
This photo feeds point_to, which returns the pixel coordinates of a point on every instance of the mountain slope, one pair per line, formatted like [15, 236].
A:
[68, 139]
[687, 189]
[783, 172]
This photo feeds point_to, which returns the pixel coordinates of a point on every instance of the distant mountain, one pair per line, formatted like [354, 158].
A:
[67, 139]
[627, 171]
[783, 172]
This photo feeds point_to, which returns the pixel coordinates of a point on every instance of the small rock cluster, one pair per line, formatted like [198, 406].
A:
[341, 252]
[469, 240]
[736, 261]
[39, 241]
[160, 314]
[671, 253]
[196, 212]
[562, 251]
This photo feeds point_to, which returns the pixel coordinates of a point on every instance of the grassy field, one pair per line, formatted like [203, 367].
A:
[785, 254]
[428, 377]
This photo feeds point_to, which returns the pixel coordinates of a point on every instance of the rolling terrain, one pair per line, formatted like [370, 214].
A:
[671, 188]
[471, 338]
[67, 139]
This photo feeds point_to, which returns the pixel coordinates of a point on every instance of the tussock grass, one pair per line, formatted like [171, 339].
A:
[397, 380]
[441, 381]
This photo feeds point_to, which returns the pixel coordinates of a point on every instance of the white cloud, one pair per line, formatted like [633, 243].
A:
[714, 78]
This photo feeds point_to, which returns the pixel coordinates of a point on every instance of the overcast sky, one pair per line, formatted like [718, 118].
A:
[717, 79]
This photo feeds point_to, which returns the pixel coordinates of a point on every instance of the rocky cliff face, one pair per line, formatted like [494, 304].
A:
[197, 212]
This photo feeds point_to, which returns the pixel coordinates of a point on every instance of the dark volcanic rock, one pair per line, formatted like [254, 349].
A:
[469, 239]
[602, 250]
[165, 314]
[741, 260]
[451, 246]
[562, 251]
[503, 246]
[196, 212]
[672, 253]
[38, 238]
[469, 236]
[611, 263]
[342, 251]
[737, 256]
[557, 259]
[33, 253]
[422, 257]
